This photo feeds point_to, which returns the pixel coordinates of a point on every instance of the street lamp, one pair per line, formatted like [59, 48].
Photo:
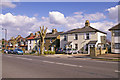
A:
[5, 35]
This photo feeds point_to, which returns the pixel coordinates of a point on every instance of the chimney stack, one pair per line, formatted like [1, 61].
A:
[31, 34]
[54, 31]
[36, 34]
[87, 23]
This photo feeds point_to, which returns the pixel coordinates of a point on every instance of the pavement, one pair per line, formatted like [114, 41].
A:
[27, 66]
[107, 56]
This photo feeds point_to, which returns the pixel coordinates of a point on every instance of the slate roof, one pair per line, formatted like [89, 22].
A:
[51, 35]
[83, 30]
[68, 43]
[116, 27]
[32, 37]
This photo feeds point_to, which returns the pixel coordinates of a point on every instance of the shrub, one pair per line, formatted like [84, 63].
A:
[45, 52]
[33, 51]
[49, 52]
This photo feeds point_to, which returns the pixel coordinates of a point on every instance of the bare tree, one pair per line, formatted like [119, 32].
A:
[42, 34]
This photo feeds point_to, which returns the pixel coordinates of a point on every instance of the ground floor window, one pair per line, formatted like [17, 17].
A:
[76, 46]
[86, 47]
[117, 46]
[30, 47]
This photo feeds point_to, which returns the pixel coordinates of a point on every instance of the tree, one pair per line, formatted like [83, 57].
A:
[42, 34]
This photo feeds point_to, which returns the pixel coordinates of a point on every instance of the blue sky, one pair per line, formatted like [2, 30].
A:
[67, 8]
[62, 15]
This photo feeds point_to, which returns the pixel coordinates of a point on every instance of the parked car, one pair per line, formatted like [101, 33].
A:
[18, 51]
[59, 51]
[10, 51]
[70, 51]
[5, 51]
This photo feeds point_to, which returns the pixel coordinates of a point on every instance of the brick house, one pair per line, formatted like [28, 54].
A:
[21, 43]
[52, 41]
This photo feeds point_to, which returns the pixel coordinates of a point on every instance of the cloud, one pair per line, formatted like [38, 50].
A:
[17, 24]
[24, 25]
[94, 17]
[7, 5]
[113, 12]
[104, 26]
[56, 17]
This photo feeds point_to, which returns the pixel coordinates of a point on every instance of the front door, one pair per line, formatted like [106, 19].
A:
[52, 48]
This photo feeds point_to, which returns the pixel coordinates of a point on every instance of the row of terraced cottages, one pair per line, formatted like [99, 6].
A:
[81, 39]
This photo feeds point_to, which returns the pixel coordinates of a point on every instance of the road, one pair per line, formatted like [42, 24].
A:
[26, 66]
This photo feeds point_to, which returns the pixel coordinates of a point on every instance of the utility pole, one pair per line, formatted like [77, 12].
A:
[5, 37]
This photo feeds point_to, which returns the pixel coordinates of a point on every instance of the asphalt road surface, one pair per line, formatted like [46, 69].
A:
[26, 66]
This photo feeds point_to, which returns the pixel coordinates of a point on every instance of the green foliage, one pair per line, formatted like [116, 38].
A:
[3, 42]
[26, 53]
[49, 52]
[33, 51]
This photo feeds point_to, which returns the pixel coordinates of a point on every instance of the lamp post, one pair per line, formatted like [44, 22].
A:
[5, 36]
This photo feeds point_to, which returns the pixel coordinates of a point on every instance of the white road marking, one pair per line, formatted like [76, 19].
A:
[117, 71]
[9, 56]
[24, 58]
[59, 63]
[62, 64]
[53, 62]
[48, 61]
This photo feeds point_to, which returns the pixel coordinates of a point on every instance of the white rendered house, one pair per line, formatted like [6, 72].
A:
[115, 39]
[82, 39]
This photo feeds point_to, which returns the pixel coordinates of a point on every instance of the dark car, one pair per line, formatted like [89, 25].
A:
[5, 51]
[10, 51]
[59, 51]
[18, 51]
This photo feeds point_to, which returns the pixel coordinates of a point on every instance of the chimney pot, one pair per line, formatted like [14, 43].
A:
[87, 23]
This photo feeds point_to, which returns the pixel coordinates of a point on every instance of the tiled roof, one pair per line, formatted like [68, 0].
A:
[116, 27]
[83, 30]
[32, 37]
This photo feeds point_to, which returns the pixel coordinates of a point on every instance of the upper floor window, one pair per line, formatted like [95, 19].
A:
[50, 40]
[30, 41]
[87, 36]
[26, 42]
[117, 46]
[36, 41]
[30, 47]
[22, 43]
[76, 36]
[65, 38]
[116, 33]
[44, 41]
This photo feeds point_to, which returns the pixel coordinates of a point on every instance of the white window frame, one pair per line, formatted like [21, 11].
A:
[50, 40]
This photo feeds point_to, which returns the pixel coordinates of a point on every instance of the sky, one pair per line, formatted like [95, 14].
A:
[23, 18]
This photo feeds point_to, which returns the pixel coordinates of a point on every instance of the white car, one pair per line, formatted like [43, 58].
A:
[70, 51]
